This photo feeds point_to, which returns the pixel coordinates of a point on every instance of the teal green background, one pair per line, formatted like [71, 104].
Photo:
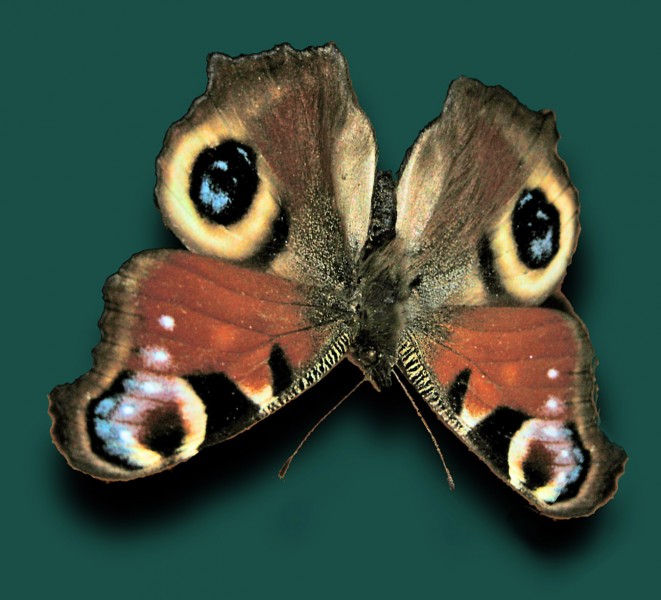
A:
[88, 92]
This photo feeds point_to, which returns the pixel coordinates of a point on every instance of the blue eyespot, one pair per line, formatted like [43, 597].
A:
[140, 422]
[536, 229]
[224, 181]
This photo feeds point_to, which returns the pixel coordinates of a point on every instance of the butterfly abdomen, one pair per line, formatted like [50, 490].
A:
[383, 290]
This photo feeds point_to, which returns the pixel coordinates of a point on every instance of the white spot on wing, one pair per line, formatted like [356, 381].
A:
[553, 404]
[551, 431]
[127, 410]
[155, 357]
[150, 388]
[166, 322]
[552, 373]
[125, 435]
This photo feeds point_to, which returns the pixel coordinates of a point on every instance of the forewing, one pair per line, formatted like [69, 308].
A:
[273, 166]
[485, 205]
[193, 351]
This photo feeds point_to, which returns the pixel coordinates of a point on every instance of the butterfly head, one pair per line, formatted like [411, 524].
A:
[376, 365]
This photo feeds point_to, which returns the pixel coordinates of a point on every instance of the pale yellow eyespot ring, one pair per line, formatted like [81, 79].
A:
[534, 285]
[236, 242]
[139, 426]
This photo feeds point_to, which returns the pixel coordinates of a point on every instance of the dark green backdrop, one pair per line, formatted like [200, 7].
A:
[87, 95]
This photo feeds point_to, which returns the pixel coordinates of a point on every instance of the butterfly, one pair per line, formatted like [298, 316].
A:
[301, 254]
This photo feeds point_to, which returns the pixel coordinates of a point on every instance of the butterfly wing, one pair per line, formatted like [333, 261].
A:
[517, 385]
[489, 217]
[270, 171]
[286, 125]
[485, 205]
[193, 352]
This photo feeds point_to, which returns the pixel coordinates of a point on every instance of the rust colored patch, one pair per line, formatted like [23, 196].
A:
[528, 359]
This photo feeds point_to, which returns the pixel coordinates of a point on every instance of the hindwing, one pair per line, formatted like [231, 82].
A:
[193, 352]
[517, 386]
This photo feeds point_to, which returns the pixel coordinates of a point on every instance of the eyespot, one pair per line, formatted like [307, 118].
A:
[536, 229]
[532, 243]
[547, 458]
[224, 181]
[146, 421]
[216, 191]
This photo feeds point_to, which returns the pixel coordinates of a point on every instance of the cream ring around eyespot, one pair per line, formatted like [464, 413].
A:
[534, 285]
[564, 465]
[122, 425]
[239, 241]
[194, 416]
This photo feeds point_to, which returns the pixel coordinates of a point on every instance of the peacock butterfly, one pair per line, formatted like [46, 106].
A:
[303, 254]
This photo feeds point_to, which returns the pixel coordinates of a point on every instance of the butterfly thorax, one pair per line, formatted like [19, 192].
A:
[382, 290]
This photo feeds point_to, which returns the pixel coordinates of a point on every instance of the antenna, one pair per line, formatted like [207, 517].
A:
[285, 466]
[431, 435]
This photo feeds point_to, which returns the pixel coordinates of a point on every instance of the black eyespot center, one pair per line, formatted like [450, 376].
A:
[224, 181]
[163, 430]
[536, 229]
[537, 467]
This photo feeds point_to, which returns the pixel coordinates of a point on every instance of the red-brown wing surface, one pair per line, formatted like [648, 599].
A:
[517, 385]
[194, 351]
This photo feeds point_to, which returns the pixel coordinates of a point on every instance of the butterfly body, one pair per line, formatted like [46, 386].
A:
[384, 291]
[302, 255]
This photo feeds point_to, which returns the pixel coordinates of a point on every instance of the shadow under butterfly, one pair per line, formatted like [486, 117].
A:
[302, 254]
